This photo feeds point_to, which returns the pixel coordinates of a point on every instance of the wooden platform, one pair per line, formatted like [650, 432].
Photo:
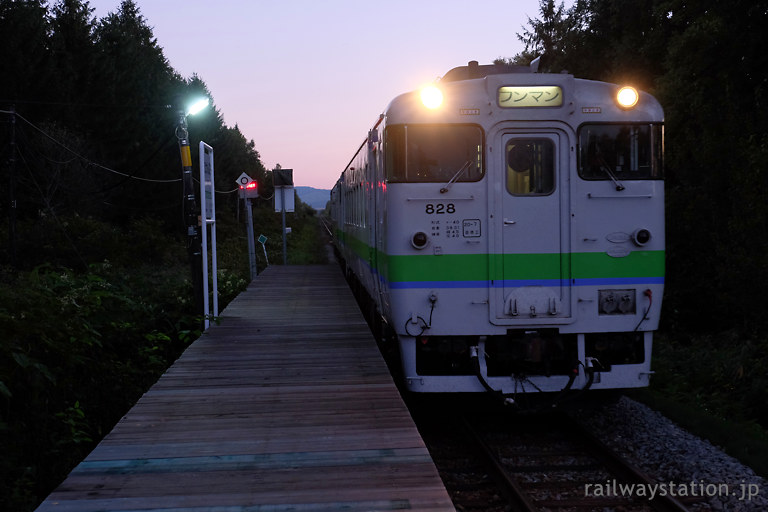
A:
[286, 405]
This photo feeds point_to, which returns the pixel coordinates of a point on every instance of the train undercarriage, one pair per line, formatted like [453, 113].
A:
[529, 362]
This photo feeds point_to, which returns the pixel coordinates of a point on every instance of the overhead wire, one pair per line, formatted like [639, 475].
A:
[88, 160]
[89, 163]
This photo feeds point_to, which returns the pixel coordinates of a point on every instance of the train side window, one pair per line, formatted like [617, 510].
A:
[394, 153]
[530, 167]
[620, 151]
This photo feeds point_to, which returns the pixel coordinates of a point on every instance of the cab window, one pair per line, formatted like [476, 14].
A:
[620, 151]
[434, 153]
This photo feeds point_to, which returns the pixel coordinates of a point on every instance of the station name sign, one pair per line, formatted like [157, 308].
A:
[517, 96]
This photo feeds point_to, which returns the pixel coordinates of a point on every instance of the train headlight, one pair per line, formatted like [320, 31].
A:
[419, 240]
[431, 97]
[627, 97]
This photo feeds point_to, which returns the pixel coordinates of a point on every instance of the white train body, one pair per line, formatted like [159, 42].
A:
[512, 237]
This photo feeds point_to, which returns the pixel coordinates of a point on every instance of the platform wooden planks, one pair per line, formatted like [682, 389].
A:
[286, 405]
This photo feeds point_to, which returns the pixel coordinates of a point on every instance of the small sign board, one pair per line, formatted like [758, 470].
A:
[262, 241]
[243, 180]
[283, 177]
[248, 187]
[206, 182]
[284, 195]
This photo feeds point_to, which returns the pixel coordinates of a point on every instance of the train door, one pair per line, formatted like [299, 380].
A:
[530, 263]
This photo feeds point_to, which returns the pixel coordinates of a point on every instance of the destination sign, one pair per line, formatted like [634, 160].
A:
[530, 96]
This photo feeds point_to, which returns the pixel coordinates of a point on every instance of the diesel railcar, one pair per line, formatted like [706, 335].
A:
[508, 226]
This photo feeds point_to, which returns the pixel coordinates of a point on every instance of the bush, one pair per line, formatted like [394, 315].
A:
[725, 373]
[94, 316]
[78, 350]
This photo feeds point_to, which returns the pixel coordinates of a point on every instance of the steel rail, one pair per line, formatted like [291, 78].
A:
[570, 429]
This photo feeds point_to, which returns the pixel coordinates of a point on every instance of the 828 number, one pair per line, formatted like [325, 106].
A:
[440, 208]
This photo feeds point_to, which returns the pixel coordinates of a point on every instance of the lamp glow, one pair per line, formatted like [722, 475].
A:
[432, 97]
[198, 106]
[627, 97]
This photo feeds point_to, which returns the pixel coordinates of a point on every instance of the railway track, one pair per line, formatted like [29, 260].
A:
[498, 462]
[326, 223]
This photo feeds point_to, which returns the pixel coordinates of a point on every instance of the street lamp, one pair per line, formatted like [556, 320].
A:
[191, 214]
[198, 106]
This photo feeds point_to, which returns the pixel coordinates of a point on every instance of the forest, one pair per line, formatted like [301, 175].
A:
[96, 293]
[705, 62]
[95, 287]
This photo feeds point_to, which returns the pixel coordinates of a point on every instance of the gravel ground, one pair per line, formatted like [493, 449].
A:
[680, 462]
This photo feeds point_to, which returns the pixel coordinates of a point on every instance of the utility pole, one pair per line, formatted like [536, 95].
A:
[251, 243]
[285, 241]
[191, 216]
[249, 190]
[12, 239]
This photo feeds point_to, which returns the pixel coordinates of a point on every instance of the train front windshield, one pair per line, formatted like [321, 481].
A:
[434, 153]
[620, 151]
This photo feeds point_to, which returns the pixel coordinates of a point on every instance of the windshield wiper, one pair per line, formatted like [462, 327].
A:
[450, 183]
[607, 170]
[615, 180]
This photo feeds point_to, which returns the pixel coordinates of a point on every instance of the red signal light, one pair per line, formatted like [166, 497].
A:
[249, 190]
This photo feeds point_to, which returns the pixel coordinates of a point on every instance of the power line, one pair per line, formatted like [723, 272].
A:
[91, 163]
[88, 160]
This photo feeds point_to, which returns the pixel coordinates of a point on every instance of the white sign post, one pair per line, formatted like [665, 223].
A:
[208, 208]
[284, 201]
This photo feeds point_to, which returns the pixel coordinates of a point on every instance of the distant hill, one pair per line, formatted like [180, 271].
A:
[314, 197]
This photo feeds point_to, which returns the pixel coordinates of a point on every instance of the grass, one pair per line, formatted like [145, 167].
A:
[714, 386]
[97, 313]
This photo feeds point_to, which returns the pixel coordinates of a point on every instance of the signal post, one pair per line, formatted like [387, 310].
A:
[248, 189]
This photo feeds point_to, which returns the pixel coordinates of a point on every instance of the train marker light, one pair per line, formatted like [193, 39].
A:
[431, 97]
[641, 237]
[419, 240]
[627, 97]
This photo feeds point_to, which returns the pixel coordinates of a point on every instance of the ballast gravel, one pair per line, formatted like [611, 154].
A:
[682, 464]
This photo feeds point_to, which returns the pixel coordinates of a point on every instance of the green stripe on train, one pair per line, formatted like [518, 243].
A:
[477, 267]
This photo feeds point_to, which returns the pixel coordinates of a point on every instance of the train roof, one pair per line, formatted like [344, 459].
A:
[468, 90]
[474, 70]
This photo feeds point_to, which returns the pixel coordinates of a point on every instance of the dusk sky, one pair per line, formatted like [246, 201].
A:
[306, 79]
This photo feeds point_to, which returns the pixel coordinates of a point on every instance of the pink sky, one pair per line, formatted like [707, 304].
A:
[306, 79]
